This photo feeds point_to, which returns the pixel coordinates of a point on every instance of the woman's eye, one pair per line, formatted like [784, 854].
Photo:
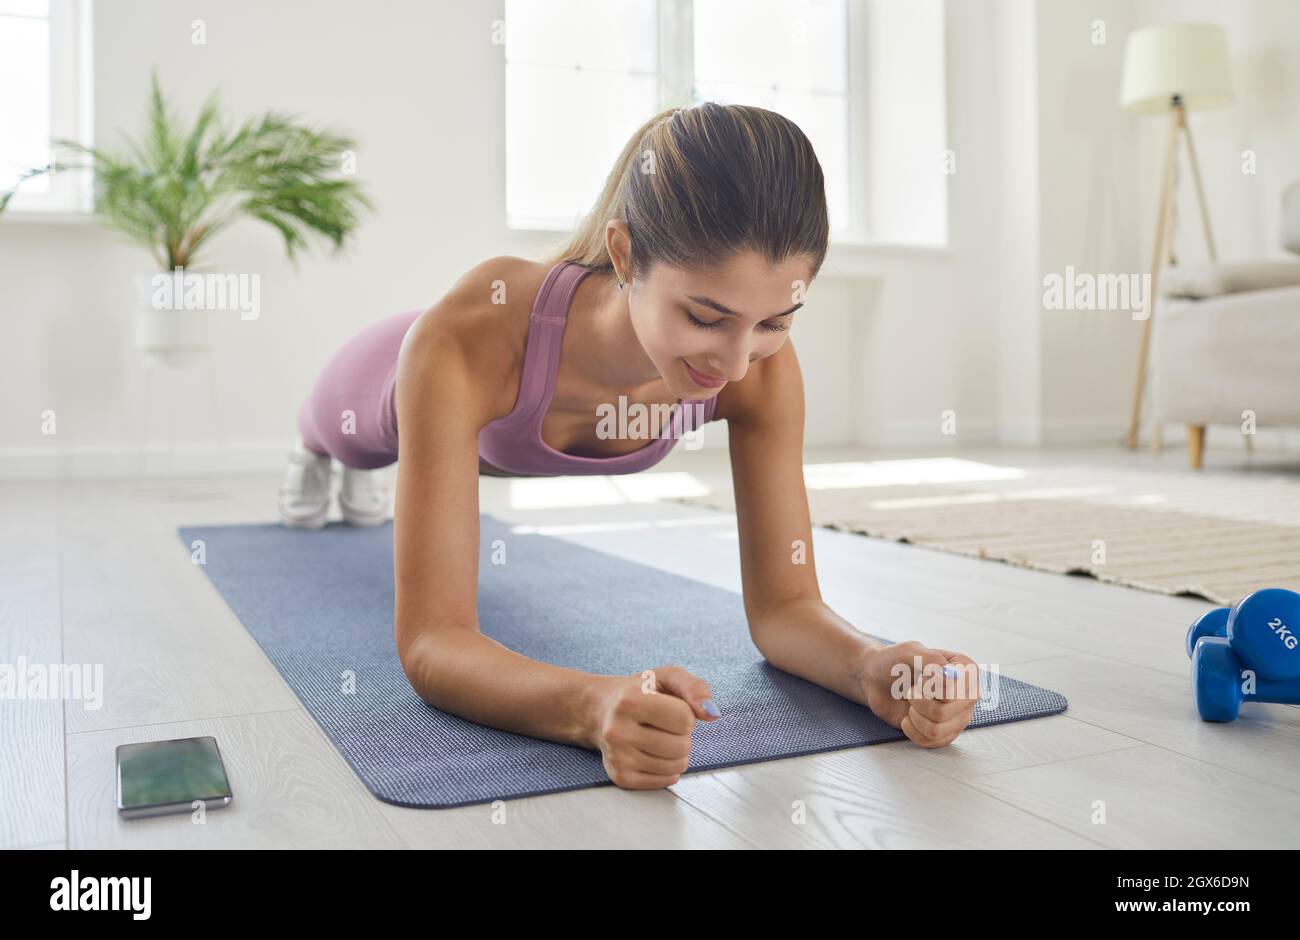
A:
[713, 325]
[701, 324]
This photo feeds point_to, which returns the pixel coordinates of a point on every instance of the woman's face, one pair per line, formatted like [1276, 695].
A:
[702, 328]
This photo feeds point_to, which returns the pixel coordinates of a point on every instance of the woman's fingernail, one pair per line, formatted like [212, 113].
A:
[951, 671]
[710, 708]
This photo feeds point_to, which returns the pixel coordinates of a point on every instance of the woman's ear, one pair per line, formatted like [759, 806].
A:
[618, 244]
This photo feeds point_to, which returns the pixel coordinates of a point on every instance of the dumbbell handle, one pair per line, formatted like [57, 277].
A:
[1279, 691]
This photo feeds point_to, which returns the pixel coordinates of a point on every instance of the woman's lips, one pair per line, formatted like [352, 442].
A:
[701, 379]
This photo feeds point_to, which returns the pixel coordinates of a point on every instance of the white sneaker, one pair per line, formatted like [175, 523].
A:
[305, 492]
[363, 498]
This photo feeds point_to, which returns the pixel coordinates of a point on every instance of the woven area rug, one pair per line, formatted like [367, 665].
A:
[1217, 536]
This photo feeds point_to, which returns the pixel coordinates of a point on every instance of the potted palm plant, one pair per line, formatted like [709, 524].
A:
[177, 188]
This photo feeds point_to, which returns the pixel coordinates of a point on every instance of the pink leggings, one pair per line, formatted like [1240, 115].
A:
[351, 413]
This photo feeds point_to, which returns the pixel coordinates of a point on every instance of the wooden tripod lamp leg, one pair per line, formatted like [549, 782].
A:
[1157, 255]
[1200, 192]
[1213, 256]
[1195, 444]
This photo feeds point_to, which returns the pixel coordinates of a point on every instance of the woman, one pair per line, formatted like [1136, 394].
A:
[678, 291]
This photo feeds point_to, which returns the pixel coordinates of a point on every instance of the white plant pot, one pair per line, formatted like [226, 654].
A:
[166, 332]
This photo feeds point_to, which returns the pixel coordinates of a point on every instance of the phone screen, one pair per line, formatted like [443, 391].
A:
[160, 773]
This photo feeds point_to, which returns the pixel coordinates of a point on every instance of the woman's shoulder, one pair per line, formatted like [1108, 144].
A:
[487, 297]
[482, 319]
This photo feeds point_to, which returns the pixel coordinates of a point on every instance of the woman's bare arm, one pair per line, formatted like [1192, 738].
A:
[788, 621]
[448, 661]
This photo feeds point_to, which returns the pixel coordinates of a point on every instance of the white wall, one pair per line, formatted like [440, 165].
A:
[1264, 49]
[1013, 224]
[1244, 209]
[1099, 173]
[421, 93]
[1088, 219]
[1049, 173]
[1078, 189]
[927, 332]
[888, 342]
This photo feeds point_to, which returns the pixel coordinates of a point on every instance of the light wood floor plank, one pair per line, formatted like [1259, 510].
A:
[1157, 709]
[1152, 798]
[32, 784]
[871, 797]
[171, 648]
[594, 818]
[1148, 631]
[292, 789]
[132, 600]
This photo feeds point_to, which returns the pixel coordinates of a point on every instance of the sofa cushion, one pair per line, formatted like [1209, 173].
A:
[1199, 281]
[1291, 218]
[1212, 360]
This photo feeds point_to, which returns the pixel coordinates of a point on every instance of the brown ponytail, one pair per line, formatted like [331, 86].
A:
[696, 185]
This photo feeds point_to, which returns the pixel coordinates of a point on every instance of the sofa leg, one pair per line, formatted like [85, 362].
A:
[1195, 444]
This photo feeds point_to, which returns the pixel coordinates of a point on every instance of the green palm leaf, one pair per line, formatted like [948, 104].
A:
[175, 189]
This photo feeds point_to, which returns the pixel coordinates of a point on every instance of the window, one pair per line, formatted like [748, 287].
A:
[44, 82]
[581, 76]
[863, 79]
[789, 56]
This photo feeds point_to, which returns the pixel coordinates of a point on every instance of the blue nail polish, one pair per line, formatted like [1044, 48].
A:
[951, 671]
[710, 708]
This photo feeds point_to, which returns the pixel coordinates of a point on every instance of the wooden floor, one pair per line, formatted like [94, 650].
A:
[94, 573]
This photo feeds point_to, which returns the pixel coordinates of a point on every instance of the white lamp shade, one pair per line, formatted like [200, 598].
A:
[1186, 59]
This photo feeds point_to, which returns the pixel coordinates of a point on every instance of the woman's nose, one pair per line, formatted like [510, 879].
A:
[733, 363]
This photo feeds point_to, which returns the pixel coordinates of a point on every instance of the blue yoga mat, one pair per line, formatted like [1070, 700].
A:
[320, 604]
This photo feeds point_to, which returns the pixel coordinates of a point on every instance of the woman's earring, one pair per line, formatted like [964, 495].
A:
[620, 283]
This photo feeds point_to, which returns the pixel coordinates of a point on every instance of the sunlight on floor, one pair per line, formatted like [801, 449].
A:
[559, 492]
[967, 499]
[555, 492]
[837, 476]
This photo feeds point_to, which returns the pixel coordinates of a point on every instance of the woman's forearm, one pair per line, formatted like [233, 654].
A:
[461, 671]
[809, 640]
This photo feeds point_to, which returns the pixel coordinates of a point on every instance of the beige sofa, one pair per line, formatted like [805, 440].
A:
[1225, 343]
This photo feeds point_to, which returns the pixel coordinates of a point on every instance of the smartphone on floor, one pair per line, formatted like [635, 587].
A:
[155, 778]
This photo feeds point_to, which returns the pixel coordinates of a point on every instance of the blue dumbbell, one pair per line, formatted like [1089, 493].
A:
[1213, 623]
[1264, 630]
[1219, 677]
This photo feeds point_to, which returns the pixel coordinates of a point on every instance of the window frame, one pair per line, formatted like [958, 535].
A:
[70, 197]
[676, 85]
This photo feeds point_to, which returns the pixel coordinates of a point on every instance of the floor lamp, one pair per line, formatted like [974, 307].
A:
[1171, 69]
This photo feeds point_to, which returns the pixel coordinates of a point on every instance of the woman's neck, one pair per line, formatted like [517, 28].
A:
[605, 344]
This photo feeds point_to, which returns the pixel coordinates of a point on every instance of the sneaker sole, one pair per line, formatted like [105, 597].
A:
[352, 517]
[316, 520]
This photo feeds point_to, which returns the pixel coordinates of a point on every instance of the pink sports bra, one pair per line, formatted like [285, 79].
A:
[514, 443]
